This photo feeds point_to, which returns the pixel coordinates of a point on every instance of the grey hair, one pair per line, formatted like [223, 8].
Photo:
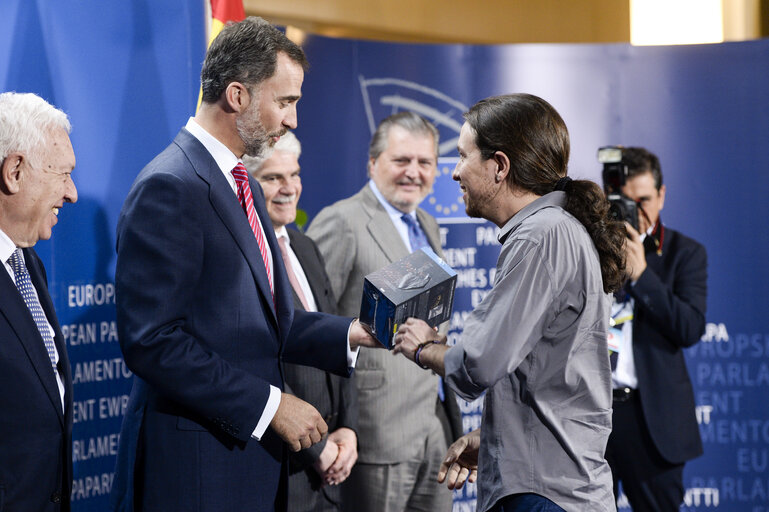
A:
[287, 143]
[409, 121]
[25, 119]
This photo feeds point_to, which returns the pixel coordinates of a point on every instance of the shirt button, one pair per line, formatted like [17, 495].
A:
[56, 497]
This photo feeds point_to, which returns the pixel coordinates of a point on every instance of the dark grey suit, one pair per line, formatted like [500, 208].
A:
[397, 399]
[335, 397]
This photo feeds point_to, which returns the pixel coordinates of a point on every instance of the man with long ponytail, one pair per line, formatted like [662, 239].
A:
[537, 344]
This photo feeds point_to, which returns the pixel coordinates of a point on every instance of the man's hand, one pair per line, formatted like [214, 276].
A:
[411, 334]
[298, 423]
[347, 442]
[327, 457]
[360, 336]
[635, 254]
[461, 461]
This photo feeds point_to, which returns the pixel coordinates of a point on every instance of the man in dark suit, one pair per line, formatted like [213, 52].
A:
[204, 307]
[404, 429]
[661, 312]
[314, 471]
[35, 378]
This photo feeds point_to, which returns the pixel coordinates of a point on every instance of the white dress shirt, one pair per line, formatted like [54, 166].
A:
[304, 284]
[7, 248]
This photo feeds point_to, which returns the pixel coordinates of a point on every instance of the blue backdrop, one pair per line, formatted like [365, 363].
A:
[128, 77]
[702, 109]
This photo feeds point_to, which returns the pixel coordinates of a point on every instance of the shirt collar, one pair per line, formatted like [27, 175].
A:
[282, 231]
[225, 159]
[6, 247]
[549, 200]
[391, 210]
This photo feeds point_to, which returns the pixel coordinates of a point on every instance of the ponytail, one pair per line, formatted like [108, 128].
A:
[534, 137]
[587, 203]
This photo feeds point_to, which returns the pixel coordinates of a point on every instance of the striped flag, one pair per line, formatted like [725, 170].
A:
[222, 11]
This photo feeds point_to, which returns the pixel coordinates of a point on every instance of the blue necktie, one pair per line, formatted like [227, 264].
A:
[418, 240]
[27, 290]
[416, 235]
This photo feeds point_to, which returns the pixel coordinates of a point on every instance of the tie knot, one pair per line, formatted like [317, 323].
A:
[409, 220]
[239, 172]
[15, 260]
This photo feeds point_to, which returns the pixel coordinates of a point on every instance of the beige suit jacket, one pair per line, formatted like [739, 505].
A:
[396, 398]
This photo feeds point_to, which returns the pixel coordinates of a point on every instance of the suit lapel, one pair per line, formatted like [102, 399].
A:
[225, 204]
[381, 227]
[283, 291]
[310, 266]
[20, 319]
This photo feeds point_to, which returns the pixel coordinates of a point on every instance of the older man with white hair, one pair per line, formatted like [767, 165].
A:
[35, 383]
[314, 471]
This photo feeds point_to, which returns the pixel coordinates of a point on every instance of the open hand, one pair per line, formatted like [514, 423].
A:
[461, 461]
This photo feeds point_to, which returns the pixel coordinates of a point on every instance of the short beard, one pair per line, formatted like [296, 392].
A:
[472, 210]
[250, 127]
[252, 133]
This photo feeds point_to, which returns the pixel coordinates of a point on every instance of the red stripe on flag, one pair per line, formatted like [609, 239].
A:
[227, 10]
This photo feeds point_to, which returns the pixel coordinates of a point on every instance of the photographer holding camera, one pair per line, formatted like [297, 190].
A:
[659, 312]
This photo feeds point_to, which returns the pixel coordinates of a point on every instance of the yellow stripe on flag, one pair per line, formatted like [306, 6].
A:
[232, 9]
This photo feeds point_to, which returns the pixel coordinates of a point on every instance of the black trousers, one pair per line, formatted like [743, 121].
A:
[650, 482]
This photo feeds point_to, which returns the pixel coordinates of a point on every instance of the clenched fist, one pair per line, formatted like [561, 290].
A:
[298, 423]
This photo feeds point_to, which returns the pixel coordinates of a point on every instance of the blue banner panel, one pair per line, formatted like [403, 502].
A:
[702, 109]
[127, 74]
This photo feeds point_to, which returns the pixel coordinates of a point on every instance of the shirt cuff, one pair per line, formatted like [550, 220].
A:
[352, 355]
[268, 413]
[456, 375]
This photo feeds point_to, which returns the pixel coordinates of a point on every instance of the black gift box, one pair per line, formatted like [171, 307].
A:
[421, 285]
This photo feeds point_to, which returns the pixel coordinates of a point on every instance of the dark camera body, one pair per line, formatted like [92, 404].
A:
[622, 208]
[614, 175]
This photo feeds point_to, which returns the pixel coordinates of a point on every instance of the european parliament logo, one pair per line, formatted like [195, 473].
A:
[383, 97]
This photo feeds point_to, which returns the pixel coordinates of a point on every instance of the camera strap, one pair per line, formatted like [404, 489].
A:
[654, 241]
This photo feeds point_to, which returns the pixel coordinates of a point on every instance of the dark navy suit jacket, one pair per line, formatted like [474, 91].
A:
[200, 329]
[35, 435]
[670, 301]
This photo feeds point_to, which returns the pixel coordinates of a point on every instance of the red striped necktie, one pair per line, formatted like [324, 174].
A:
[247, 202]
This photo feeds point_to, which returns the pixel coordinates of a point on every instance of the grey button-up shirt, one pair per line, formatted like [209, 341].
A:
[537, 345]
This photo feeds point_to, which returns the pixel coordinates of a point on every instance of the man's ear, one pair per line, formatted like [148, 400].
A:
[236, 97]
[11, 172]
[502, 166]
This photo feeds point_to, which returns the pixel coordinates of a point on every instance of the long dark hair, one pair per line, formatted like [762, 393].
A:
[532, 134]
